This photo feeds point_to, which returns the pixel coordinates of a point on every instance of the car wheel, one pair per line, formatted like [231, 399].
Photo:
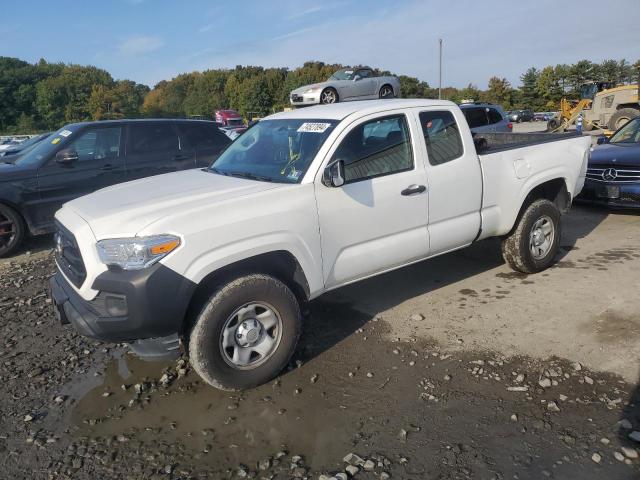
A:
[621, 117]
[386, 91]
[533, 244]
[246, 333]
[329, 96]
[12, 230]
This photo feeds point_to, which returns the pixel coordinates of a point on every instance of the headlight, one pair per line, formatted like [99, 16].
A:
[136, 253]
[312, 90]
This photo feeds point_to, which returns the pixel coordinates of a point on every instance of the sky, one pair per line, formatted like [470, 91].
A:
[151, 40]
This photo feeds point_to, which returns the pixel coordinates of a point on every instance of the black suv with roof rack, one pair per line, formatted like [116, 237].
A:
[83, 157]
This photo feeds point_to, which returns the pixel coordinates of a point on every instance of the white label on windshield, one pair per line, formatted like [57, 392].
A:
[348, 72]
[309, 127]
[65, 133]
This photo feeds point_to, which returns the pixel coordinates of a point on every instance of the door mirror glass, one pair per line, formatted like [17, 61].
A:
[66, 156]
[602, 140]
[334, 174]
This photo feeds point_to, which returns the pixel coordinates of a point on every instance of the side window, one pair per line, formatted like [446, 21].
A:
[375, 148]
[203, 135]
[97, 144]
[441, 136]
[494, 116]
[476, 117]
[152, 137]
[365, 73]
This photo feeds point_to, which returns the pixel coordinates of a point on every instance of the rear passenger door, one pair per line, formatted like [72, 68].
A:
[204, 139]
[153, 148]
[455, 179]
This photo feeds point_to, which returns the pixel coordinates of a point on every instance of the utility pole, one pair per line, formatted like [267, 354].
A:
[440, 72]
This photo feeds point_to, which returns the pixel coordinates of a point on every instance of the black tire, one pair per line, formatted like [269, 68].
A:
[517, 246]
[12, 230]
[552, 124]
[621, 117]
[386, 91]
[328, 94]
[206, 351]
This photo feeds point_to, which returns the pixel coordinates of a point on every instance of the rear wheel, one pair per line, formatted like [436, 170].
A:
[12, 230]
[621, 117]
[386, 91]
[328, 96]
[246, 333]
[533, 243]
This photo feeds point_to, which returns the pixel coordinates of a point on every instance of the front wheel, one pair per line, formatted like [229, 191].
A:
[386, 91]
[533, 244]
[12, 230]
[328, 96]
[246, 333]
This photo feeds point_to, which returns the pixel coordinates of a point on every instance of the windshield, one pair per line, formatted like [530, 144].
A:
[275, 150]
[47, 146]
[344, 74]
[630, 133]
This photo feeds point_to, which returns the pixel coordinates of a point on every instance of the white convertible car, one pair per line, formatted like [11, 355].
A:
[345, 85]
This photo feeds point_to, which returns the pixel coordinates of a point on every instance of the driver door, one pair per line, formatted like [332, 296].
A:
[100, 163]
[378, 219]
[366, 86]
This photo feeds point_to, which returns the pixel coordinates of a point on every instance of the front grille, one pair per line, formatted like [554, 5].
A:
[68, 256]
[297, 98]
[617, 174]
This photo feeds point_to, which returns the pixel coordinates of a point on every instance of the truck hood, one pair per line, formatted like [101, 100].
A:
[126, 208]
[616, 154]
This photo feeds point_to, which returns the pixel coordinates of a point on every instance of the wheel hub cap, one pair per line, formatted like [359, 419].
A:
[249, 333]
[541, 237]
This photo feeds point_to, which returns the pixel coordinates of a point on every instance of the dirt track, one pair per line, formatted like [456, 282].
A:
[451, 369]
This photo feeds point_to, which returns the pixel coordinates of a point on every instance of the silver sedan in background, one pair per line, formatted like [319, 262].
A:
[345, 85]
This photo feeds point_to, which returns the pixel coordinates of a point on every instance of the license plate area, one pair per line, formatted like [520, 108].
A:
[608, 191]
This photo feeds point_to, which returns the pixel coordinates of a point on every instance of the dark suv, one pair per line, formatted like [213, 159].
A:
[83, 157]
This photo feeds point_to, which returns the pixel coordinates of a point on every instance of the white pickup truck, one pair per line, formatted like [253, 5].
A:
[222, 260]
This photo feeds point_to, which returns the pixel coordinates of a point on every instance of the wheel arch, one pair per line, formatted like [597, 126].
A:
[281, 264]
[387, 84]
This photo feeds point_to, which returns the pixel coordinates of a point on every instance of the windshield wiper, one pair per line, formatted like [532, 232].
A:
[250, 176]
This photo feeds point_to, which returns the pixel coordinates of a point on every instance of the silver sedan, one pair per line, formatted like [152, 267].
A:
[346, 85]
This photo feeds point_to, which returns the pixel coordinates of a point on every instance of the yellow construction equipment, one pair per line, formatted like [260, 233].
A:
[601, 104]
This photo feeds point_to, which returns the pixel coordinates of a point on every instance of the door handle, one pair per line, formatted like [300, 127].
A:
[413, 190]
[181, 158]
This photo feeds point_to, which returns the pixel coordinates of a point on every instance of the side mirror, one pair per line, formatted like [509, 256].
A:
[356, 78]
[66, 156]
[602, 140]
[333, 175]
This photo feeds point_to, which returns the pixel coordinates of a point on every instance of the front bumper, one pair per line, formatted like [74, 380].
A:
[144, 308]
[304, 99]
[612, 194]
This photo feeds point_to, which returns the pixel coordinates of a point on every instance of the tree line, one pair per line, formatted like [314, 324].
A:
[45, 96]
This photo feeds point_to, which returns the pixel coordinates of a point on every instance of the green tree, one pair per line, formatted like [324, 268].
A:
[499, 91]
[529, 87]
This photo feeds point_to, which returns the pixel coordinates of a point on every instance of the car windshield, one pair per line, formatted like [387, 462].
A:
[344, 74]
[44, 148]
[275, 150]
[630, 133]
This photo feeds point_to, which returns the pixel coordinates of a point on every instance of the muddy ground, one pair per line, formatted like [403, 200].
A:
[451, 369]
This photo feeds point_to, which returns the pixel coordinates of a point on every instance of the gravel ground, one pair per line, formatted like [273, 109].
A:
[451, 369]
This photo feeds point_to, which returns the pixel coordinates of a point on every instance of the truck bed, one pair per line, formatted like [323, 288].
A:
[497, 142]
[514, 163]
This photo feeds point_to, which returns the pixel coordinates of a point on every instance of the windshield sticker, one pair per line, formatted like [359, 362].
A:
[65, 133]
[309, 127]
[348, 72]
[55, 141]
[295, 174]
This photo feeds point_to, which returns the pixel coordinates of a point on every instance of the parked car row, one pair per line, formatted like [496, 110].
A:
[14, 150]
[84, 157]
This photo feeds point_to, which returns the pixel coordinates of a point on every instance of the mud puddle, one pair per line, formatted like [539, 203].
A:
[428, 413]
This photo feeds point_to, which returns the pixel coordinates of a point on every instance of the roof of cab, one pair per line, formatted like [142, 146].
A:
[339, 111]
